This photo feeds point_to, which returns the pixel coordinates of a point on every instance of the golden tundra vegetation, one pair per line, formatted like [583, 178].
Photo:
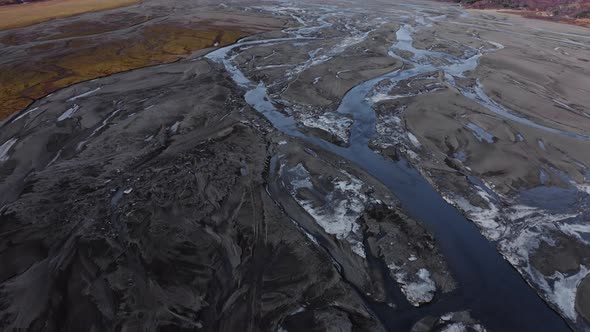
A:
[15, 16]
[78, 52]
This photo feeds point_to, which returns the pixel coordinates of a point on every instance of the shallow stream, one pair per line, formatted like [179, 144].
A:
[488, 285]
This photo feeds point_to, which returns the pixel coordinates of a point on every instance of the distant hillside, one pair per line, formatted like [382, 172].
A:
[567, 9]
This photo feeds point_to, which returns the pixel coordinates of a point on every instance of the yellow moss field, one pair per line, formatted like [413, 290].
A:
[15, 16]
[21, 83]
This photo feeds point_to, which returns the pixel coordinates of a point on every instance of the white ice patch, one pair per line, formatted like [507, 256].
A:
[391, 133]
[484, 218]
[333, 123]
[455, 327]
[342, 208]
[55, 158]
[412, 155]
[85, 94]
[318, 57]
[446, 317]
[104, 122]
[481, 134]
[414, 140]
[25, 114]
[68, 114]
[479, 328]
[564, 291]
[421, 291]
[585, 187]
[174, 128]
[379, 97]
[4, 148]
[388, 129]
[302, 179]
[519, 230]
[564, 105]
[418, 289]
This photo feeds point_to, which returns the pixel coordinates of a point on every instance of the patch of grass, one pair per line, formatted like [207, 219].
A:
[89, 58]
[15, 16]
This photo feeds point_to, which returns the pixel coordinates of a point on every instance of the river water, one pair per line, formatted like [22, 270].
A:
[489, 286]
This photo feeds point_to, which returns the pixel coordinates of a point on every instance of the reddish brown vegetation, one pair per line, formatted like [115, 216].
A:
[568, 11]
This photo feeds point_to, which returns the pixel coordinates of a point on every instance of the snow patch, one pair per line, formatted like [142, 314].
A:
[486, 219]
[333, 123]
[455, 327]
[421, 291]
[564, 291]
[25, 114]
[85, 94]
[414, 140]
[68, 114]
[481, 134]
[4, 148]
[418, 289]
[519, 230]
[339, 211]
[174, 128]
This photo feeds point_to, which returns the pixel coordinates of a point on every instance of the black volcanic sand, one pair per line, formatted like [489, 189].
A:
[149, 209]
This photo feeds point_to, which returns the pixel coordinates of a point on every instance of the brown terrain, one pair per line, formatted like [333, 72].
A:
[576, 12]
[37, 61]
[22, 14]
[16, 2]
